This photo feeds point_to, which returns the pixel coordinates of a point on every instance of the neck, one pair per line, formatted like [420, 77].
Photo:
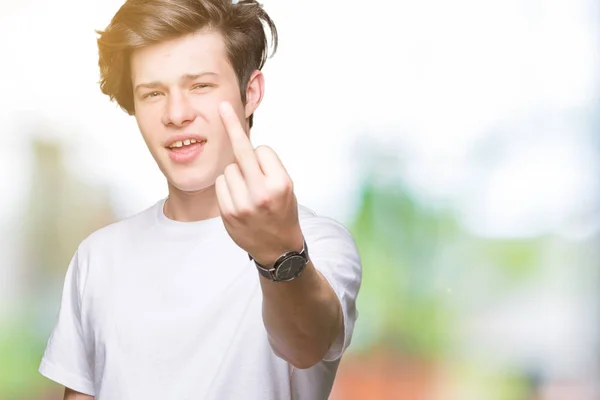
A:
[191, 206]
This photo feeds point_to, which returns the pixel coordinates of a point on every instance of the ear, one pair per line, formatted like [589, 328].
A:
[254, 92]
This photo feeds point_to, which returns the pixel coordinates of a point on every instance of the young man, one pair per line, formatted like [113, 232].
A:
[226, 289]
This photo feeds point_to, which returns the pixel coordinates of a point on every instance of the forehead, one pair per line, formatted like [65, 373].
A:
[169, 60]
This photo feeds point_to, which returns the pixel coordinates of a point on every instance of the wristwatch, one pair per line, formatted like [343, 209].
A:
[287, 267]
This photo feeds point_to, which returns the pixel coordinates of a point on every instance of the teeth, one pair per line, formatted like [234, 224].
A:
[186, 142]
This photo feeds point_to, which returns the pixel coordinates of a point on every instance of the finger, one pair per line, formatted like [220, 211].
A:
[242, 148]
[270, 163]
[238, 190]
[223, 197]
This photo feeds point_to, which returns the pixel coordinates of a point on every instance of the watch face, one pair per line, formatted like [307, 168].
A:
[290, 268]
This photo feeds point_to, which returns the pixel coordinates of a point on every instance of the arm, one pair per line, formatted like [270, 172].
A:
[260, 212]
[67, 359]
[302, 317]
[73, 395]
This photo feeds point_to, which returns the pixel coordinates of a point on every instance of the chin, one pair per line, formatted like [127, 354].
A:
[190, 180]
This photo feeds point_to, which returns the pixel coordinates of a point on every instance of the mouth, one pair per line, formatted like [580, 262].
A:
[185, 143]
[185, 150]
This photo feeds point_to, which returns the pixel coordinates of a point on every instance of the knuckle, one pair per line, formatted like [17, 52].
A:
[281, 185]
[227, 214]
[287, 183]
[263, 201]
[243, 212]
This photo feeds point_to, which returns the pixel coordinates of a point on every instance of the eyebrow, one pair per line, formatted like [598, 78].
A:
[184, 78]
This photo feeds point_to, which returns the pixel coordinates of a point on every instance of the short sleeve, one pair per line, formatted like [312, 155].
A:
[334, 254]
[67, 360]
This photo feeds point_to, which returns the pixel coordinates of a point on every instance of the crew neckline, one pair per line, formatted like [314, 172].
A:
[180, 228]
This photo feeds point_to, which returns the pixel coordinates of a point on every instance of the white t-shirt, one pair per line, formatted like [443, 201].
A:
[158, 309]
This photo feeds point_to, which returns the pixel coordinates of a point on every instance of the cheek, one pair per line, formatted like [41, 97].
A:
[222, 153]
[148, 123]
[206, 107]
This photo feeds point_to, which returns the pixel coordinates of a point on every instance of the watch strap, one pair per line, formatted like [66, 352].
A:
[267, 273]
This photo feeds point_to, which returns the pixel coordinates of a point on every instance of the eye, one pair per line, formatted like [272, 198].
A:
[200, 86]
[150, 95]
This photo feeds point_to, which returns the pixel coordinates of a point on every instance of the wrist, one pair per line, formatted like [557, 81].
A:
[289, 265]
[268, 257]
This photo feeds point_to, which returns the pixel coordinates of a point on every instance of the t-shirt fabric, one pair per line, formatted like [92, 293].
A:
[158, 309]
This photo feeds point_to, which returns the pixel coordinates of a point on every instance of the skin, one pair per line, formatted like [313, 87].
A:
[187, 85]
[70, 394]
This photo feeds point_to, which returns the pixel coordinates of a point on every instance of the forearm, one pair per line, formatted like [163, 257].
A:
[70, 394]
[302, 317]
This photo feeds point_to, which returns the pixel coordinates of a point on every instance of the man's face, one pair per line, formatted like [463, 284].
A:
[178, 86]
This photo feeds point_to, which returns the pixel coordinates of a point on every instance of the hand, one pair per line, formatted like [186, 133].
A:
[256, 197]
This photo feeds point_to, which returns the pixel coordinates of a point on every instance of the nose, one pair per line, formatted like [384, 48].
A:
[179, 111]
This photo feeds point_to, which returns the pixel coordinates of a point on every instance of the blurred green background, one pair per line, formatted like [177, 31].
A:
[458, 141]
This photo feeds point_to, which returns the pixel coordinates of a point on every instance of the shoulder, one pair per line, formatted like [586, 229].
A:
[122, 232]
[310, 217]
[317, 227]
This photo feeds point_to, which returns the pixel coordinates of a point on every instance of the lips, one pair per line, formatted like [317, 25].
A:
[185, 153]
